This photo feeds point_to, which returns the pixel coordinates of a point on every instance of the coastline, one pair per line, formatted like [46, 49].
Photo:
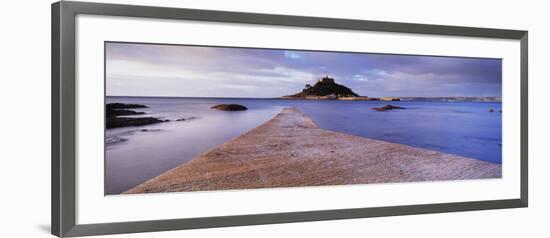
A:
[290, 150]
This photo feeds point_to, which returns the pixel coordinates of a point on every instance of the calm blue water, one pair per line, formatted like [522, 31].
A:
[135, 155]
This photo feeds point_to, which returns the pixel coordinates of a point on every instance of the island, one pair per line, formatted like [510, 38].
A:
[327, 89]
[324, 88]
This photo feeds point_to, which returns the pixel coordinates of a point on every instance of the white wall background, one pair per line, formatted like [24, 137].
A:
[25, 120]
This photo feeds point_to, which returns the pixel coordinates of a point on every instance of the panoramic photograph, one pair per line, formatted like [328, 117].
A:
[183, 118]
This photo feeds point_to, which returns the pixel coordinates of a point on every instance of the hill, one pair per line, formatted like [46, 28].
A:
[324, 87]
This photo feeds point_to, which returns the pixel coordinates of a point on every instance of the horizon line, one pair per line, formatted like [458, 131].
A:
[284, 96]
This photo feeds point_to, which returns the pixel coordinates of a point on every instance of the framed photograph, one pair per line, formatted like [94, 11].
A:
[167, 119]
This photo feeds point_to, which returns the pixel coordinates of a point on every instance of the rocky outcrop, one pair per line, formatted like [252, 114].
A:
[115, 110]
[122, 112]
[229, 107]
[116, 122]
[121, 109]
[325, 88]
[111, 106]
[186, 119]
[386, 108]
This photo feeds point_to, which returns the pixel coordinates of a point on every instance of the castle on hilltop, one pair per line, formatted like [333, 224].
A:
[327, 89]
[324, 88]
[326, 79]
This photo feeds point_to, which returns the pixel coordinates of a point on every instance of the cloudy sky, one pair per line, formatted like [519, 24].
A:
[191, 71]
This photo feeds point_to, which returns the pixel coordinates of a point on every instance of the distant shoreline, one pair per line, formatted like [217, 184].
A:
[430, 99]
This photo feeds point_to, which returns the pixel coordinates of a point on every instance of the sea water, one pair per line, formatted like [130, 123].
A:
[136, 154]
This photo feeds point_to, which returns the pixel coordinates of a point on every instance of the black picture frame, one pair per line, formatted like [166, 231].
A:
[63, 117]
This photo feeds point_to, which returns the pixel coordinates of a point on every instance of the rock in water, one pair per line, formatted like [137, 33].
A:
[115, 110]
[387, 107]
[186, 119]
[122, 112]
[120, 109]
[115, 122]
[229, 107]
